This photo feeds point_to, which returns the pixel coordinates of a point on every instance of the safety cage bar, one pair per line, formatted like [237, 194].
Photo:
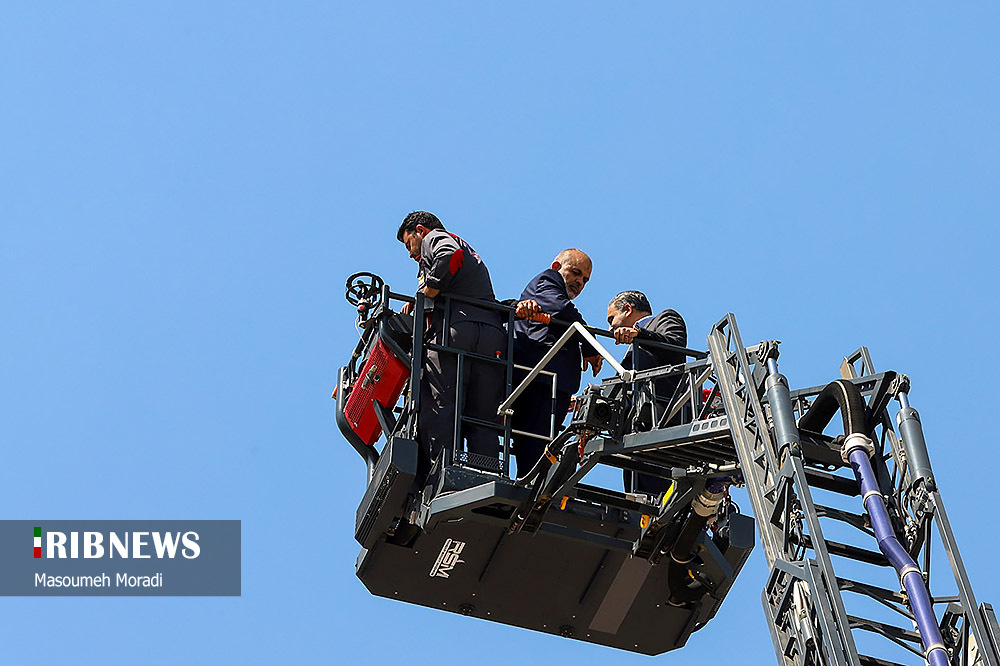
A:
[402, 419]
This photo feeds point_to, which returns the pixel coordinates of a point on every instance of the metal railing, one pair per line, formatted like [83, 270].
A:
[407, 413]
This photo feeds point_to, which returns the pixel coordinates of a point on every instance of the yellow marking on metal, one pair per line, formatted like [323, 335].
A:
[668, 494]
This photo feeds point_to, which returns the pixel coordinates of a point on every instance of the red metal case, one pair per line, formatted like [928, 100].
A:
[382, 378]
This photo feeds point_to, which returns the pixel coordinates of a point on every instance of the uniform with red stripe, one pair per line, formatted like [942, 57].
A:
[450, 266]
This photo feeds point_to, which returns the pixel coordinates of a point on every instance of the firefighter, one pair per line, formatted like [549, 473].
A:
[449, 266]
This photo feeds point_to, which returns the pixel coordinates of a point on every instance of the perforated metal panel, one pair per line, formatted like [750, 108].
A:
[382, 378]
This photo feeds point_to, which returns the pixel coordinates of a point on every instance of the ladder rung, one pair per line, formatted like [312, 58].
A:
[848, 585]
[875, 661]
[832, 482]
[852, 552]
[852, 519]
[822, 454]
[884, 629]
[855, 553]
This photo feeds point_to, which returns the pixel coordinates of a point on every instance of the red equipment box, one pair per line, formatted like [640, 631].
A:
[382, 378]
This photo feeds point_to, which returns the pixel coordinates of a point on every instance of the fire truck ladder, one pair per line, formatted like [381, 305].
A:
[789, 466]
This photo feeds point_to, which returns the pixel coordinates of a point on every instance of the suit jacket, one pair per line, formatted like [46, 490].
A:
[668, 327]
[533, 339]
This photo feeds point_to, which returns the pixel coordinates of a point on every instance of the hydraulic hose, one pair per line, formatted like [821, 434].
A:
[857, 451]
[540, 474]
[546, 460]
[837, 395]
[683, 587]
[704, 507]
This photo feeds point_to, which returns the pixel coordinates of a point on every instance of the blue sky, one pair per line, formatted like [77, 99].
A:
[186, 186]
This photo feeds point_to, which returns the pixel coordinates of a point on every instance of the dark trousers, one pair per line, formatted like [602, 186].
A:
[482, 390]
[533, 413]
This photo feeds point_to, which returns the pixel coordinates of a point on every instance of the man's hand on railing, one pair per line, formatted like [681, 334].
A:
[526, 309]
[407, 308]
[531, 311]
[625, 335]
[595, 362]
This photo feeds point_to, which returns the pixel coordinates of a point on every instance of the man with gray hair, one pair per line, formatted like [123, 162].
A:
[630, 318]
[551, 292]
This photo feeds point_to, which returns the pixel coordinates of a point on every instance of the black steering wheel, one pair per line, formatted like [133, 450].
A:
[364, 290]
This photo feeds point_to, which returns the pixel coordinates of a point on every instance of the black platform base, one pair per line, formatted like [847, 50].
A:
[575, 577]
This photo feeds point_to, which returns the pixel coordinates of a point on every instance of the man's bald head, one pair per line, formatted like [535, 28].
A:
[575, 267]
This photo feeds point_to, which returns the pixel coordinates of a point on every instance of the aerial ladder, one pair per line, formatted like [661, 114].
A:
[790, 466]
[555, 553]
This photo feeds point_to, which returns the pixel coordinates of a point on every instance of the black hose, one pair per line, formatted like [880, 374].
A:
[682, 551]
[684, 587]
[840, 395]
[543, 463]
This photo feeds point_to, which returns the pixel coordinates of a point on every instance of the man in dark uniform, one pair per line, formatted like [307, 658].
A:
[449, 266]
[631, 320]
[552, 292]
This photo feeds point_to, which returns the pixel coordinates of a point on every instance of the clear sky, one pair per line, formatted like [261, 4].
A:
[185, 186]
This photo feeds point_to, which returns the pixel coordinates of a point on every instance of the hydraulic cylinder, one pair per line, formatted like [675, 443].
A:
[779, 399]
[918, 462]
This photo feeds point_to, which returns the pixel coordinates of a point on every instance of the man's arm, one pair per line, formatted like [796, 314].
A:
[667, 327]
[552, 298]
[429, 292]
[441, 257]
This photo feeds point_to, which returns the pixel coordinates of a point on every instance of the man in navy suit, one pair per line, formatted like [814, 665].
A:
[552, 292]
[630, 318]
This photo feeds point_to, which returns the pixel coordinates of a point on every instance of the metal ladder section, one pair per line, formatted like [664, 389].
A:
[786, 471]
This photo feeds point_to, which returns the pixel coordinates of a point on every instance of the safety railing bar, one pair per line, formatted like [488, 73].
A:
[663, 371]
[462, 352]
[528, 367]
[659, 372]
[456, 439]
[534, 435]
[575, 328]
[858, 381]
[679, 400]
[401, 297]
[485, 424]
[666, 346]
[490, 305]
[506, 436]
[649, 344]
[612, 361]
